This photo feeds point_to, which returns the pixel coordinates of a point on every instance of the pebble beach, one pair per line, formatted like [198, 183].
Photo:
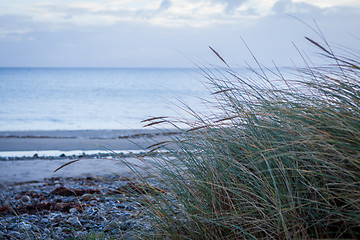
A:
[96, 196]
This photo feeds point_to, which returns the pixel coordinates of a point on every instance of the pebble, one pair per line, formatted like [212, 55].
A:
[72, 210]
[24, 226]
[46, 214]
[25, 198]
[14, 234]
[86, 197]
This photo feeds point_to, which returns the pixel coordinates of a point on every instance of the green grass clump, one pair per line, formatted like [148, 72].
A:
[277, 160]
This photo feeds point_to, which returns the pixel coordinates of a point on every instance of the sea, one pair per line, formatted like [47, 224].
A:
[94, 98]
[71, 111]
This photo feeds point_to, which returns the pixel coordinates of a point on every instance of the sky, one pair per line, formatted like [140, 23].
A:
[169, 33]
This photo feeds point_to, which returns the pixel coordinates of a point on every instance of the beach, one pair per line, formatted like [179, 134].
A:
[96, 194]
[34, 155]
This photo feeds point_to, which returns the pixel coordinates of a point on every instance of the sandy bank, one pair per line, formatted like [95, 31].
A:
[81, 140]
[37, 170]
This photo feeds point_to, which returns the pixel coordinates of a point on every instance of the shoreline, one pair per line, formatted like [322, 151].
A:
[61, 141]
[58, 154]
[86, 133]
[38, 169]
[34, 155]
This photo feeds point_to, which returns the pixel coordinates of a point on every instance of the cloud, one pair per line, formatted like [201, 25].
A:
[169, 13]
[231, 5]
[255, 8]
[162, 13]
[330, 3]
[131, 33]
[290, 7]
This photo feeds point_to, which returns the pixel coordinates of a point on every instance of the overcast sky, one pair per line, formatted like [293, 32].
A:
[167, 33]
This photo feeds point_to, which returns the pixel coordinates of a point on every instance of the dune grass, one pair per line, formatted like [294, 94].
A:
[277, 159]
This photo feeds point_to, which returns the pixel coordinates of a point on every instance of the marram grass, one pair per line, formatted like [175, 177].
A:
[275, 161]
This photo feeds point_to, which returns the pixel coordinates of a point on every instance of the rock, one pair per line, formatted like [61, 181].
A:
[123, 215]
[86, 197]
[87, 226]
[55, 217]
[2, 226]
[45, 222]
[74, 221]
[14, 234]
[25, 198]
[25, 226]
[72, 210]
[69, 199]
[46, 231]
[121, 206]
[13, 226]
[90, 211]
[130, 208]
[83, 221]
[76, 224]
[125, 226]
[111, 226]
[81, 235]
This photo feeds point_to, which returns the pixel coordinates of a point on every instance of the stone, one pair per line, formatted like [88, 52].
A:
[81, 234]
[86, 197]
[123, 215]
[69, 199]
[67, 213]
[14, 234]
[25, 198]
[72, 210]
[30, 218]
[46, 231]
[111, 226]
[74, 221]
[76, 224]
[125, 226]
[25, 226]
[45, 222]
[56, 217]
[90, 211]
[130, 208]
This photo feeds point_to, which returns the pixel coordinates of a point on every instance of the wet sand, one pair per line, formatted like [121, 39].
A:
[63, 144]
[34, 169]
[81, 140]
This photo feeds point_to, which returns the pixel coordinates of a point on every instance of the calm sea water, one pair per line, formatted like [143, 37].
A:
[92, 98]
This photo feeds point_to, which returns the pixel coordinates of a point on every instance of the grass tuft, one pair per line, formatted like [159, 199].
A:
[278, 159]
